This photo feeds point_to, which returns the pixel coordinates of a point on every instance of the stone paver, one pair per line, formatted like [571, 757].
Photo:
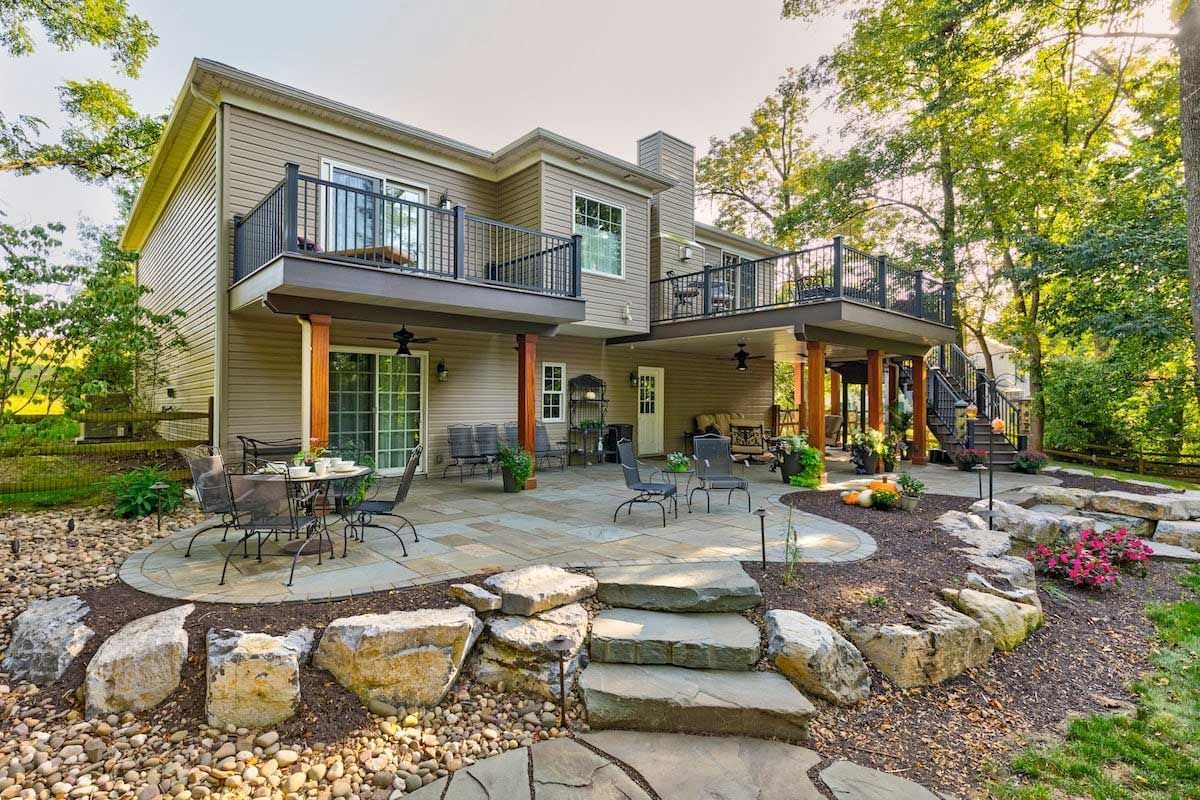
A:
[850, 781]
[678, 587]
[697, 641]
[566, 770]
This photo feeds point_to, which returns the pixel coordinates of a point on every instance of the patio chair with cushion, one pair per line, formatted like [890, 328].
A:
[265, 504]
[361, 515]
[462, 450]
[647, 492]
[714, 469]
[212, 489]
[546, 450]
[748, 443]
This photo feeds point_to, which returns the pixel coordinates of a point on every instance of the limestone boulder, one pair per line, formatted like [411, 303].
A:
[1034, 527]
[516, 653]
[1189, 501]
[138, 666]
[697, 641]
[972, 534]
[539, 588]
[1143, 528]
[1181, 533]
[400, 658]
[816, 658]
[1010, 623]
[476, 597]
[253, 679]
[1016, 571]
[1027, 597]
[46, 638]
[1154, 507]
[945, 644]
[1056, 495]
[1161, 551]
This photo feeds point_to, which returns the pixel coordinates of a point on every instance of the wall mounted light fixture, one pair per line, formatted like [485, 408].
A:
[633, 378]
[443, 374]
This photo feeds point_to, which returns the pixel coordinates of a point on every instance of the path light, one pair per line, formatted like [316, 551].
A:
[562, 645]
[157, 487]
[979, 469]
[761, 513]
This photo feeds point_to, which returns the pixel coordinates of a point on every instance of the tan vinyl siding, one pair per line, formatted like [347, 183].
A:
[519, 198]
[263, 379]
[606, 296]
[178, 266]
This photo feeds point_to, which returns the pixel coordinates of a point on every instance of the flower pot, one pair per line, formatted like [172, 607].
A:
[789, 465]
[510, 481]
[908, 503]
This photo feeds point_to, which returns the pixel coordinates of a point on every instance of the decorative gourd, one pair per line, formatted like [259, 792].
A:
[850, 498]
[864, 498]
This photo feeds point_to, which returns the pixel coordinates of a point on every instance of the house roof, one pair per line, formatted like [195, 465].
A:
[704, 229]
[209, 83]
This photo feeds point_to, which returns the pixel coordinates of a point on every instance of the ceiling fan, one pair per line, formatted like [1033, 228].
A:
[741, 357]
[403, 338]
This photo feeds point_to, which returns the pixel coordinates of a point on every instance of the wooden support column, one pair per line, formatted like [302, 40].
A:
[835, 392]
[318, 379]
[798, 401]
[816, 395]
[893, 387]
[920, 443]
[875, 389]
[526, 396]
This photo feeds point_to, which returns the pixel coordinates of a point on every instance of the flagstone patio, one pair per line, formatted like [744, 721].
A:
[474, 527]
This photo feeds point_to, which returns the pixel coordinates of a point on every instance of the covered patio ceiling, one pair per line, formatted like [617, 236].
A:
[786, 344]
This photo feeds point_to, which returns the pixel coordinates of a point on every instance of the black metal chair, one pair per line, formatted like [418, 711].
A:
[714, 469]
[463, 451]
[265, 504]
[361, 515]
[545, 450]
[648, 492]
[509, 437]
[264, 449]
[487, 443]
[212, 490]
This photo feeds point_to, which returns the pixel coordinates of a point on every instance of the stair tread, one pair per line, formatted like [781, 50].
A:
[704, 587]
[697, 641]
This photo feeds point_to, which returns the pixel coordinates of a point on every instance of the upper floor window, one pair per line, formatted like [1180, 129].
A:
[729, 259]
[602, 228]
[553, 391]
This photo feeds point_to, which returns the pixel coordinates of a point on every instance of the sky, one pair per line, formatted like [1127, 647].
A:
[481, 72]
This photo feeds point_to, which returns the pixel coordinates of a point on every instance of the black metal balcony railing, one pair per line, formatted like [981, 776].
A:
[828, 272]
[320, 218]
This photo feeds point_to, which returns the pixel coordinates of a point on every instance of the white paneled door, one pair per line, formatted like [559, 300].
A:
[650, 411]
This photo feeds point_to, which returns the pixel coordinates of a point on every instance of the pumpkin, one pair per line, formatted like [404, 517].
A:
[864, 498]
[850, 498]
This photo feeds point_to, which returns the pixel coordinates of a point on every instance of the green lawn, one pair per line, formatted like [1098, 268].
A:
[1127, 476]
[1154, 756]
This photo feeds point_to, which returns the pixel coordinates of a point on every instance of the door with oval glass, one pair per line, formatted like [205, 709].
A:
[650, 411]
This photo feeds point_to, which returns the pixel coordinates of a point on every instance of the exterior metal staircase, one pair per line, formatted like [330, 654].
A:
[953, 384]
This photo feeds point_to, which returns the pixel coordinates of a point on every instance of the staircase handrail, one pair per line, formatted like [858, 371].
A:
[974, 386]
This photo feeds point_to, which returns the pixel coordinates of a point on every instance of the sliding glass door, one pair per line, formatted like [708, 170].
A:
[377, 405]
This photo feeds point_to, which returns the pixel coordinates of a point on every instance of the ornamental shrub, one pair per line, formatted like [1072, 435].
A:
[1120, 547]
[135, 498]
[969, 459]
[884, 499]
[1077, 564]
[1030, 462]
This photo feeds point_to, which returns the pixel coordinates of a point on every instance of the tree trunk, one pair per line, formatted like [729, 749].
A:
[989, 362]
[1189, 116]
[1037, 375]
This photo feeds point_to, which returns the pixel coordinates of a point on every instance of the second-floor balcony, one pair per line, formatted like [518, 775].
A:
[455, 258]
[830, 272]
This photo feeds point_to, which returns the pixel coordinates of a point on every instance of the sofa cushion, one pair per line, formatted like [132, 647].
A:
[704, 422]
[747, 439]
[721, 421]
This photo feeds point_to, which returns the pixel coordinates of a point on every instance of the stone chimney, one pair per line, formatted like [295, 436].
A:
[673, 212]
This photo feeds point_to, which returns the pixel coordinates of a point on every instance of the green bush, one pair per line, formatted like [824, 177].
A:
[135, 498]
[884, 499]
[811, 465]
[517, 461]
[1030, 462]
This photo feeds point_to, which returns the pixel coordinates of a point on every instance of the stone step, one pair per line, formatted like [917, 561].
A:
[706, 587]
[678, 700]
[696, 641]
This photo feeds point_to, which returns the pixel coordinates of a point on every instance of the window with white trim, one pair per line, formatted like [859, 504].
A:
[357, 218]
[554, 392]
[602, 228]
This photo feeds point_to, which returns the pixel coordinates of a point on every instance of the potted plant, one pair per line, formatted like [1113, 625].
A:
[911, 491]
[789, 448]
[516, 465]
[869, 447]
[899, 421]
[1030, 462]
[967, 460]
[677, 462]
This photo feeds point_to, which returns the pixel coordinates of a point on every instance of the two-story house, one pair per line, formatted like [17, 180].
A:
[302, 235]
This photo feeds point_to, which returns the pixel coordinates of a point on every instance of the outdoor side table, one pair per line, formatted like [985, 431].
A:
[675, 476]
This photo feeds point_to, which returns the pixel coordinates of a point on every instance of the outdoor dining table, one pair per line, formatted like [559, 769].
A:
[322, 482]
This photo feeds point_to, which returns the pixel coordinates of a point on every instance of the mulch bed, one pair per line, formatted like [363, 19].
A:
[1092, 646]
[1099, 484]
[327, 711]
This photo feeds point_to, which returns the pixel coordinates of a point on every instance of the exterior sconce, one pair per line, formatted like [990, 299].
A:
[443, 374]
[633, 379]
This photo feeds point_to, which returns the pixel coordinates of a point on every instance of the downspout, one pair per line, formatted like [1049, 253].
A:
[305, 379]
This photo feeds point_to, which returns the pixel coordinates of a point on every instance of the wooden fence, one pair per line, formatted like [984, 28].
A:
[1143, 462]
[31, 463]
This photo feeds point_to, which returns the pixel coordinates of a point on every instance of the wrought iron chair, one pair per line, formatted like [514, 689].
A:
[647, 492]
[546, 450]
[487, 443]
[714, 469]
[261, 449]
[273, 504]
[212, 490]
[361, 515]
[462, 450]
[509, 437]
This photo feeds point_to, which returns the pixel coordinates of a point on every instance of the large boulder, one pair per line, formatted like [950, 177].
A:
[46, 638]
[539, 588]
[1010, 623]
[1139, 505]
[138, 666]
[1028, 597]
[1111, 522]
[1035, 527]
[1188, 501]
[516, 653]
[698, 641]
[973, 534]
[1056, 495]
[817, 658]
[254, 678]
[1013, 570]
[476, 597]
[946, 644]
[1181, 533]
[401, 658]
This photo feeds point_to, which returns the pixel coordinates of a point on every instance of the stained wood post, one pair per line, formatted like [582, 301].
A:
[816, 397]
[526, 397]
[875, 389]
[920, 453]
[835, 392]
[318, 379]
[893, 385]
